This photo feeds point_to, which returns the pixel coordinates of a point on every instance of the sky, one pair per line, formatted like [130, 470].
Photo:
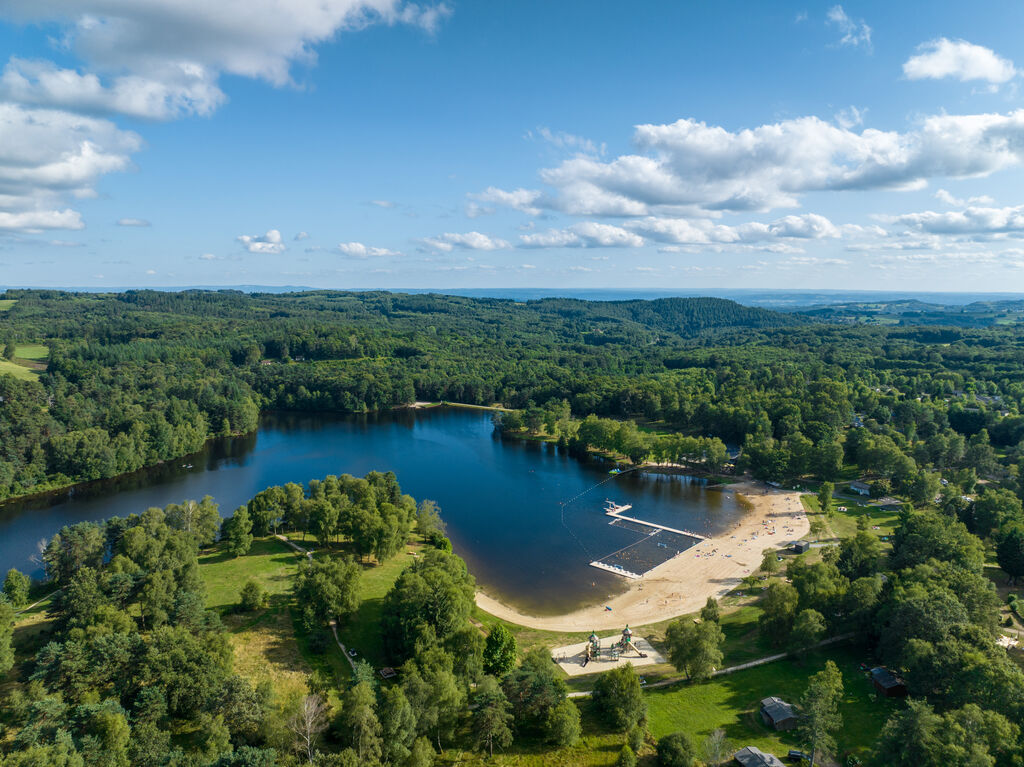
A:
[457, 143]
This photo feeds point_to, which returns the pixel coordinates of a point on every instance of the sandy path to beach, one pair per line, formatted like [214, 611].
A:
[682, 585]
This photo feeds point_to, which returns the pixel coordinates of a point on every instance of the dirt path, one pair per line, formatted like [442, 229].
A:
[682, 585]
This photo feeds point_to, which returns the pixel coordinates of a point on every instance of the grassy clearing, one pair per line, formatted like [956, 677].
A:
[732, 703]
[35, 352]
[265, 645]
[7, 303]
[18, 371]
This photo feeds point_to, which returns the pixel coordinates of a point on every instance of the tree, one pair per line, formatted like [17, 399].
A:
[618, 696]
[16, 587]
[200, 520]
[500, 651]
[308, 723]
[1009, 551]
[778, 607]
[534, 689]
[911, 737]
[252, 597]
[694, 648]
[361, 724]
[237, 531]
[327, 589]
[422, 754]
[436, 591]
[717, 750]
[397, 726]
[323, 519]
[808, 629]
[769, 562]
[820, 704]
[675, 750]
[434, 692]
[710, 612]
[859, 555]
[563, 723]
[825, 497]
[428, 520]
[492, 716]
[993, 509]
[6, 636]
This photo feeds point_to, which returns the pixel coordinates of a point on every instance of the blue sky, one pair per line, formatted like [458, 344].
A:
[378, 143]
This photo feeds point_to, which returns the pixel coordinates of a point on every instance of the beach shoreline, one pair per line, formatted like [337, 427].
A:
[682, 585]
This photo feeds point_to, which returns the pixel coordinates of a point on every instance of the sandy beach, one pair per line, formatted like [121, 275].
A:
[713, 567]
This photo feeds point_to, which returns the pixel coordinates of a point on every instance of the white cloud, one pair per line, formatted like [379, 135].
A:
[691, 163]
[682, 231]
[854, 31]
[151, 271]
[520, 199]
[208, 257]
[383, 203]
[970, 221]
[960, 59]
[850, 117]
[141, 222]
[47, 155]
[569, 141]
[37, 220]
[359, 250]
[162, 58]
[270, 242]
[587, 234]
[180, 90]
[943, 196]
[469, 241]
[301, 236]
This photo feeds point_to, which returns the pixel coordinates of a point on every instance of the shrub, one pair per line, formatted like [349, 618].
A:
[252, 597]
[626, 758]
[675, 750]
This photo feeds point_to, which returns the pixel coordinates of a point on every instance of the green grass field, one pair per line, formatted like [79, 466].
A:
[7, 303]
[18, 371]
[35, 352]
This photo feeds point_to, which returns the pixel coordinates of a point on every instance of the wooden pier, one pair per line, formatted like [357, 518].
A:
[616, 570]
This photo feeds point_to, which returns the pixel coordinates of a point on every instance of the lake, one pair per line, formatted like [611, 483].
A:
[502, 499]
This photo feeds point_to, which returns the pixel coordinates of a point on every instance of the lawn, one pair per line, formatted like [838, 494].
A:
[24, 373]
[264, 641]
[732, 703]
[36, 352]
[7, 303]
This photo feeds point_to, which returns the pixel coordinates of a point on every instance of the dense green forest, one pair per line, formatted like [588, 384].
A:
[141, 377]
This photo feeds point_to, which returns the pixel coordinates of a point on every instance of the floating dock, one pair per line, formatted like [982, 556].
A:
[616, 570]
[616, 511]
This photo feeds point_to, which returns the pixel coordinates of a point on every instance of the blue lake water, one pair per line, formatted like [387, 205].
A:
[502, 499]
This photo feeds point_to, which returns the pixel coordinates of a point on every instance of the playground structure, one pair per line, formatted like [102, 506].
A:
[616, 650]
[606, 653]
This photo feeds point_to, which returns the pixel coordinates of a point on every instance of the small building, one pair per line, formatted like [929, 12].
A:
[778, 714]
[887, 683]
[752, 756]
[860, 487]
[801, 546]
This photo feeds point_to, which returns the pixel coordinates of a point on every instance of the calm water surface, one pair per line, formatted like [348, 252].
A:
[500, 498]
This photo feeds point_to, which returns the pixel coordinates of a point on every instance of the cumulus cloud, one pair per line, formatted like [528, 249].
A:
[47, 155]
[141, 222]
[271, 242]
[960, 59]
[301, 236]
[854, 32]
[468, 241]
[701, 231]
[691, 163]
[970, 221]
[162, 58]
[943, 196]
[359, 250]
[587, 234]
[520, 199]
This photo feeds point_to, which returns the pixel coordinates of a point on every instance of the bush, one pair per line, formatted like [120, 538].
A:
[252, 597]
[563, 724]
[16, 587]
[617, 693]
[675, 750]
[635, 738]
[626, 758]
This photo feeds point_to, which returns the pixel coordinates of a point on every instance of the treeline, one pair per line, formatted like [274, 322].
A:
[142, 377]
